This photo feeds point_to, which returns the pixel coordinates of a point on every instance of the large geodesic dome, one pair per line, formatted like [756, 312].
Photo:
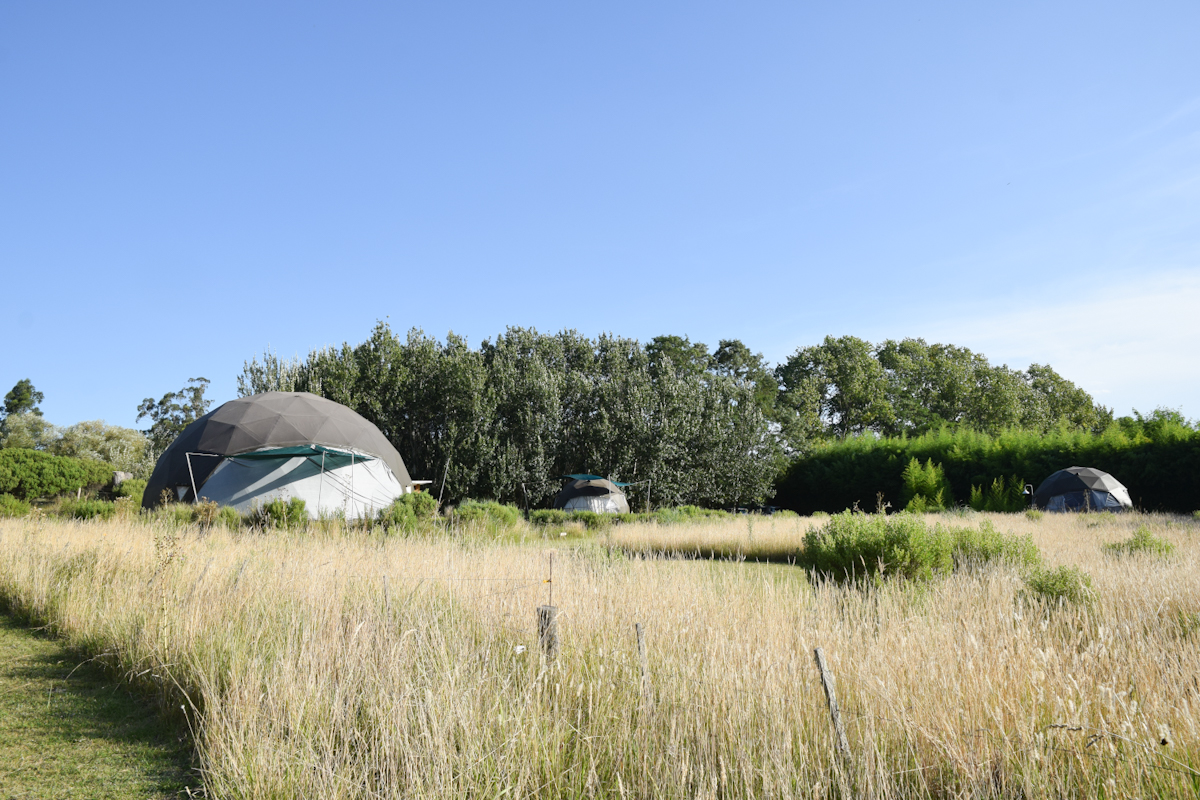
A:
[282, 445]
[1082, 489]
[592, 493]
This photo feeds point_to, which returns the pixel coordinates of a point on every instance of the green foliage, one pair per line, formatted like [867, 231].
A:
[925, 487]
[856, 544]
[853, 544]
[1159, 472]
[985, 544]
[407, 509]
[124, 448]
[133, 488]
[86, 509]
[512, 416]
[174, 412]
[684, 514]
[30, 431]
[548, 516]
[1000, 496]
[1061, 584]
[30, 474]
[280, 513]
[12, 507]
[23, 399]
[1142, 541]
[229, 518]
[1035, 514]
[485, 512]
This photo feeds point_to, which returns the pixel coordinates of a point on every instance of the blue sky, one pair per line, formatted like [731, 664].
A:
[182, 185]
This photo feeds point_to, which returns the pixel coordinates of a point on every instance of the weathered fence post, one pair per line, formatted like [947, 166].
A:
[645, 665]
[842, 745]
[548, 631]
[387, 600]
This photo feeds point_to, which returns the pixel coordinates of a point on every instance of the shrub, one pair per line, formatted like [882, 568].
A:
[853, 543]
[29, 474]
[12, 507]
[1142, 541]
[1061, 584]
[228, 517]
[1001, 496]
[1196, 515]
[205, 512]
[487, 512]
[87, 509]
[925, 488]
[986, 544]
[280, 513]
[548, 516]
[406, 509]
[1034, 514]
[784, 513]
[134, 488]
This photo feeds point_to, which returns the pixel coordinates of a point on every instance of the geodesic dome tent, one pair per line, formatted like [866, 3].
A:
[282, 445]
[592, 493]
[1081, 489]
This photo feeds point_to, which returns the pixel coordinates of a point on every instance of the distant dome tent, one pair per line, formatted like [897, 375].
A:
[592, 493]
[1081, 489]
[282, 445]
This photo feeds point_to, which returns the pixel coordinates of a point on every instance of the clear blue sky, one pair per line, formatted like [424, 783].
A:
[182, 185]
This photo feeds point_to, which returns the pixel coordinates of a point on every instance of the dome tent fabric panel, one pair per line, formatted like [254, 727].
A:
[329, 483]
[264, 421]
[1081, 489]
[592, 494]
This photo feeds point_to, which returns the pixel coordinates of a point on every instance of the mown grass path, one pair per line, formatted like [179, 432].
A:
[69, 729]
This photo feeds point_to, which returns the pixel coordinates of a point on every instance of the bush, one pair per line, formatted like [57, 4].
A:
[30, 474]
[406, 509]
[205, 512]
[133, 488]
[784, 513]
[12, 507]
[487, 512]
[548, 516]
[87, 509]
[858, 544]
[925, 488]
[1062, 584]
[986, 544]
[1142, 541]
[1035, 514]
[228, 517]
[1001, 496]
[280, 513]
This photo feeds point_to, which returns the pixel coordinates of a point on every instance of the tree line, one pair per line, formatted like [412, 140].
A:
[507, 419]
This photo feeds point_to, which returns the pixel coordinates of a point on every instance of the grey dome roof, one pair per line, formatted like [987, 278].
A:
[1075, 479]
[596, 487]
[268, 420]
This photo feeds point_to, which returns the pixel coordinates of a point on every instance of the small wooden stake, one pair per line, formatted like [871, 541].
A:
[548, 631]
[831, 696]
[387, 601]
[645, 664]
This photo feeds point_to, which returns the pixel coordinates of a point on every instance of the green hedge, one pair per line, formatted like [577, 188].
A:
[1159, 470]
[30, 474]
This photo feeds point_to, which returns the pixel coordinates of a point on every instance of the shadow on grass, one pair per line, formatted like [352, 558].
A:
[69, 727]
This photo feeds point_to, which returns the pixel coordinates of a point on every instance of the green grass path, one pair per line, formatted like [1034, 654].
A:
[69, 729]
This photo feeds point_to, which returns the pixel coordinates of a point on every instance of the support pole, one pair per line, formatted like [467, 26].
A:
[648, 703]
[195, 494]
[831, 697]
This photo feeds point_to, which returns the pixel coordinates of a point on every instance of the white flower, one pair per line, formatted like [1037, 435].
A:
[519, 649]
[563, 533]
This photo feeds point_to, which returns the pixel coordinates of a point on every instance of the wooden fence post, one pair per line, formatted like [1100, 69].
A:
[548, 631]
[831, 697]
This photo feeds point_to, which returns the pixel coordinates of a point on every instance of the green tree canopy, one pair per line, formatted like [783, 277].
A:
[174, 412]
[23, 399]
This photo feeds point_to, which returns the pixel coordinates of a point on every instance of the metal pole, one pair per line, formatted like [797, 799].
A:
[321, 485]
[444, 476]
[195, 494]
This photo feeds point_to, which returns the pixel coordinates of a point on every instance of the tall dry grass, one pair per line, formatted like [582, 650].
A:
[306, 675]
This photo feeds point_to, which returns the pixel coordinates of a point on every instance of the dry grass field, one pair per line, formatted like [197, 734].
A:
[338, 665]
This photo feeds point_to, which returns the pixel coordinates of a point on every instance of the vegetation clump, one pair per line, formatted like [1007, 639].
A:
[406, 510]
[855, 544]
[1142, 541]
[1001, 496]
[1062, 584]
[485, 512]
[287, 514]
[87, 508]
[30, 474]
[13, 507]
[925, 487]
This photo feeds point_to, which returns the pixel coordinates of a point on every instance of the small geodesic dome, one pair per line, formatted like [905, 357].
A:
[282, 445]
[1081, 489]
[592, 493]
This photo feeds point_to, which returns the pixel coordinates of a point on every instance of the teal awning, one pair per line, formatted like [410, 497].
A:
[304, 450]
[593, 478]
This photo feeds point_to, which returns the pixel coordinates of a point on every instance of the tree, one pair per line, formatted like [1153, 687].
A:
[28, 430]
[23, 399]
[736, 361]
[174, 412]
[844, 380]
[124, 448]
[272, 375]
[684, 357]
